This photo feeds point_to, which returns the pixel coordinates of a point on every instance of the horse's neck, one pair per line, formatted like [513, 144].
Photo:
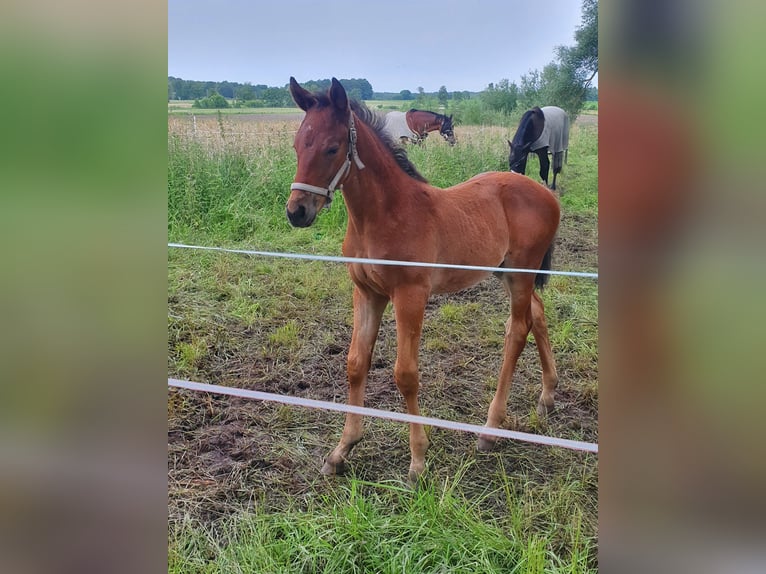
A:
[429, 124]
[373, 193]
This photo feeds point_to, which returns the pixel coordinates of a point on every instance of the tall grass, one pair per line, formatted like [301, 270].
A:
[384, 528]
[233, 189]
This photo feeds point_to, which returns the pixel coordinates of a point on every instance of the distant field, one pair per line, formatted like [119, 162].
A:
[185, 107]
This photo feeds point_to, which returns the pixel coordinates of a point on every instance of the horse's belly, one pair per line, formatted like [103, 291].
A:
[451, 280]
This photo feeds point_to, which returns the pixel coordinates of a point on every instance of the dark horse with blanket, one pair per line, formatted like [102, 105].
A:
[541, 130]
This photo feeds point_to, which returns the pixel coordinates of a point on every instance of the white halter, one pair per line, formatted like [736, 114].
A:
[342, 172]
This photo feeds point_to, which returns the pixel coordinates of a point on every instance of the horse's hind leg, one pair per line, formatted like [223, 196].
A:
[520, 288]
[557, 164]
[409, 307]
[550, 376]
[368, 310]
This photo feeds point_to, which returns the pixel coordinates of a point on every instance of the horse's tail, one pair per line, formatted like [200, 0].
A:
[542, 278]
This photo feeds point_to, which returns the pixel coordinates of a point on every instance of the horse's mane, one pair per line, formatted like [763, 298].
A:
[526, 133]
[377, 124]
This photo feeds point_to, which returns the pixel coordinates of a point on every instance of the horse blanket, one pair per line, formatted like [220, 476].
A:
[396, 126]
[555, 134]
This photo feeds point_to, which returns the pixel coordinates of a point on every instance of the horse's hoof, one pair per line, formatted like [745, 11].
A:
[332, 469]
[415, 477]
[544, 410]
[486, 444]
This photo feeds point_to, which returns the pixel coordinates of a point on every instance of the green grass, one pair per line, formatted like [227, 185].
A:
[382, 528]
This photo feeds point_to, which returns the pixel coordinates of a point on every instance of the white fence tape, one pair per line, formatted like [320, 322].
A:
[377, 413]
[338, 259]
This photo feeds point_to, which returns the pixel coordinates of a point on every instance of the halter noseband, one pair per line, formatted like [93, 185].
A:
[342, 172]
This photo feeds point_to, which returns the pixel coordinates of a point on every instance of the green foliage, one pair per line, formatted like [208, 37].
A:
[501, 97]
[443, 96]
[584, 55]
[214, 101]
[245, 92]
[555, 85]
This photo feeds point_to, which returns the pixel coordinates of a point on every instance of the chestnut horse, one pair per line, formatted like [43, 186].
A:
[418, 124]
[493, 219]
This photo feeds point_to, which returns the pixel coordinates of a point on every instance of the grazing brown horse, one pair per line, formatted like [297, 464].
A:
[493, 219]
[414, 125]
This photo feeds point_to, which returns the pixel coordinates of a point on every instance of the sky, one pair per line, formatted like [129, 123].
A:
[394, 44]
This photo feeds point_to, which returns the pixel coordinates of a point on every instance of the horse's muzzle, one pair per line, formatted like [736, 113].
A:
[300, 217]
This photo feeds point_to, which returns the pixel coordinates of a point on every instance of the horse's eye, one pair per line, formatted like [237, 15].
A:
[333, 150]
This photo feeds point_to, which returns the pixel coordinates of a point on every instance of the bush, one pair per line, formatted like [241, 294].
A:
[214, 101]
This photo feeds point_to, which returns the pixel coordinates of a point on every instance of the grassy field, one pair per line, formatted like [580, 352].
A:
[244, 490]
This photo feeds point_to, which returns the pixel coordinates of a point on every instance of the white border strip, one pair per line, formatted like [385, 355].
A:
[338, 259]
[401, 417]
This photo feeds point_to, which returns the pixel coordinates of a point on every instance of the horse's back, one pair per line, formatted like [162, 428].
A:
[516, 195]
[555, 130]
[396, 125]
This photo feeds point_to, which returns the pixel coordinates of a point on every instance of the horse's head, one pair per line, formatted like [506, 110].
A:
[529, 130]
[446, 130]
[325, 145]
[517, 157]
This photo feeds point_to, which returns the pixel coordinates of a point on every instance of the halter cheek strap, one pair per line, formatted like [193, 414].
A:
[342, 172]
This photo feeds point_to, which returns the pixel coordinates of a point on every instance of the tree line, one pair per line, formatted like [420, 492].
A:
[217, 94]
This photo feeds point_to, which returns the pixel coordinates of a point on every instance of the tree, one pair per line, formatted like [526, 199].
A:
[443, 96]
[363, 87]
[226, 89]
[245, 92]
[276, 97]
[564, 82]
[405, 95]
[584, 56]
[501, 97]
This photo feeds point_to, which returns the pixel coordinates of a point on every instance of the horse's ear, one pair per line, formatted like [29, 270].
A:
[338, 96]
[510, 145]
[301, 96]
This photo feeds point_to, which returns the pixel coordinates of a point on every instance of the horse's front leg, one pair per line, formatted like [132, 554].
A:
[409, 307]
[545, 164]
[368, 310]
[550, 376]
